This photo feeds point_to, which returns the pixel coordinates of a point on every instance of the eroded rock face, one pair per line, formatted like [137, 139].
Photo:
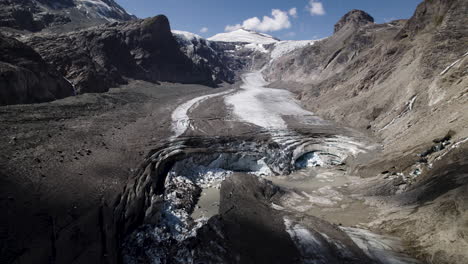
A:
[102, 57]
[26, 78]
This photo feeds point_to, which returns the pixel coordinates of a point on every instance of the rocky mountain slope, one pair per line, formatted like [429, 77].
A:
[406, 83]
[385, 76]
[65, 15]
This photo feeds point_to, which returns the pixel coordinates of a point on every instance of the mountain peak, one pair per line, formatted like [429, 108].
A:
[244, 35]
[356, 18]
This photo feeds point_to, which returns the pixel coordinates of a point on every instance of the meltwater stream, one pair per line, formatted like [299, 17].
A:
[309, 169]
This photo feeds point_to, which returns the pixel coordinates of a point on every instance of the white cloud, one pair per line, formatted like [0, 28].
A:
[230, 28]
[293, 12]
[315, 8]
[279, 20]
[204, 30]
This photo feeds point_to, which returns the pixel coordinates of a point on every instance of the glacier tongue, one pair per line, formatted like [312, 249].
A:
[244, 36]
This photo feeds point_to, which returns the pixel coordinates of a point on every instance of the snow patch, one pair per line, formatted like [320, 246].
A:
[277, 207]
[408, 107]
[257, 47]
[384, 249]
[453, 64]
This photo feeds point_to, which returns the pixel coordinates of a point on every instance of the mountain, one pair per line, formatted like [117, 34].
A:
[204, 52]
[61, 15]
[146, 51]
[244, 36]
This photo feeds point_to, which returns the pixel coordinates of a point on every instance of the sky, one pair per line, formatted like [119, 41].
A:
[284, 19]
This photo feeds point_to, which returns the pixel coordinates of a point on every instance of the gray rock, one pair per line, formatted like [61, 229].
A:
[26, 78]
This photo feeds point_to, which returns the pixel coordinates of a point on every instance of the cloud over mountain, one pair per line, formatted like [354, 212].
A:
[279, 20]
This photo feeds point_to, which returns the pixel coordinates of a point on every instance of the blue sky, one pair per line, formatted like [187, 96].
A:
[311, 19]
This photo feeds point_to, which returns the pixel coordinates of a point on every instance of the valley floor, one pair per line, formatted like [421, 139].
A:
[318, 208]
[254, 178]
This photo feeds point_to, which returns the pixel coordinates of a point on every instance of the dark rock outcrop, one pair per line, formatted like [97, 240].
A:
[26, 78]
[101, 57]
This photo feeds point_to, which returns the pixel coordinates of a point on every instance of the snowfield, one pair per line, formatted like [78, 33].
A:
[261, 106]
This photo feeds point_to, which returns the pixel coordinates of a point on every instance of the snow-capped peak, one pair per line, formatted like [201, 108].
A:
[245, 36]
[106, 9]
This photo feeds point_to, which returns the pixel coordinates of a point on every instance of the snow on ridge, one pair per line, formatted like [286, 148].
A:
[189, 36]
[100, 6]
[105, 9]
[245, 36]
